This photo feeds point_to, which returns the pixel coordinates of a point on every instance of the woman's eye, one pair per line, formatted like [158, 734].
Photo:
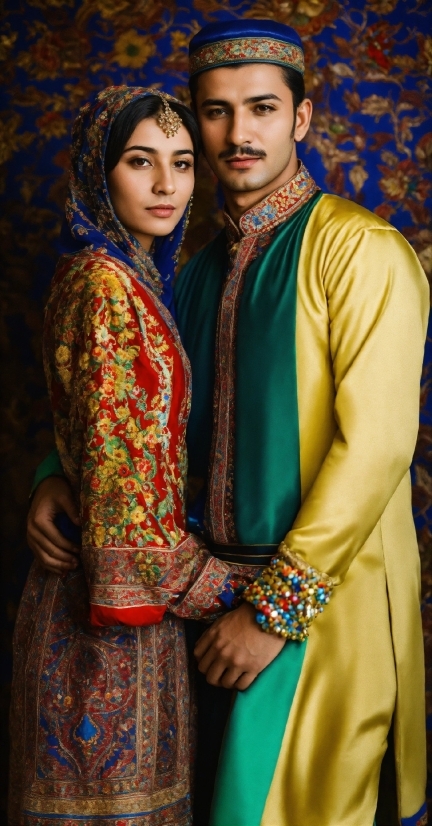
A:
[140, 162]
[183, 165]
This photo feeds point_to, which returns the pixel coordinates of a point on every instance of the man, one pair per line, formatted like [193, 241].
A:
[304, 322]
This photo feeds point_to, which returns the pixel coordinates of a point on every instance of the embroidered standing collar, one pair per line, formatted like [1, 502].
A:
[274, 209]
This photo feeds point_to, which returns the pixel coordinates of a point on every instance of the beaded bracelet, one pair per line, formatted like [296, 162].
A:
[288, 598]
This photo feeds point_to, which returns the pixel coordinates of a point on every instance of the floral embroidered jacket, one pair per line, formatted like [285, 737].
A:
[119, 383]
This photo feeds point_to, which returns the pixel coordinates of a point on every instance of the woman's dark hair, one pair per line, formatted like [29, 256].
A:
[133, 114]
[292, 79]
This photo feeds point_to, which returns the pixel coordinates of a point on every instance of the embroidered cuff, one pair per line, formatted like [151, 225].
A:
[106, 615]
[288, 595]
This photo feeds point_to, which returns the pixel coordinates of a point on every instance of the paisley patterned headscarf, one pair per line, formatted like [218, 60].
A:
[90, 219]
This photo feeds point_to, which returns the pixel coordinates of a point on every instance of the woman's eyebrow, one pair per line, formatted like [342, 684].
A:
[153, 151]
[143, 149]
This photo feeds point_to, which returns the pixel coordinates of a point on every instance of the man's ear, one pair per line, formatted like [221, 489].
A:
[303, 119]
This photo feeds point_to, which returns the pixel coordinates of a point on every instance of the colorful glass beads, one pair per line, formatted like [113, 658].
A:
[288, 598]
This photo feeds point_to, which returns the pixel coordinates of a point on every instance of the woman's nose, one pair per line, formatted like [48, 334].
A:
[164, 182]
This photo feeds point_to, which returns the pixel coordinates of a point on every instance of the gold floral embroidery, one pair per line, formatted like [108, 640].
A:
[128, 439]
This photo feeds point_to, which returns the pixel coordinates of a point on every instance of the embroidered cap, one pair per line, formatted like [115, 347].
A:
[245, 41]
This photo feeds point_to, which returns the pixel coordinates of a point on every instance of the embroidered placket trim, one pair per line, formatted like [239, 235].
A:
[221, 510]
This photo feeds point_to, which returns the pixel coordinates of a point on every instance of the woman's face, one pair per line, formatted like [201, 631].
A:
[153, 181]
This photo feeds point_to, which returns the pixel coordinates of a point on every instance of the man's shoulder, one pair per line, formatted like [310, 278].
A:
[347, 243]
[215, 247]
[332, 211]
[339, 227]
[204, 267]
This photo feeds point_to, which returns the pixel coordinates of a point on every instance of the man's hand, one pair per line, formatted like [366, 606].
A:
[234, 650]
[51, 549]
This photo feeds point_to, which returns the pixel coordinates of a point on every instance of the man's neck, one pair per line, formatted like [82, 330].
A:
[237, 203]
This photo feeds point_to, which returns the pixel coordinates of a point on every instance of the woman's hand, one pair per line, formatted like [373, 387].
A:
[52, 550]
[234, 650]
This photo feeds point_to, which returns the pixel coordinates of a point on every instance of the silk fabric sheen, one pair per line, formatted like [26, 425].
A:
[362, 306]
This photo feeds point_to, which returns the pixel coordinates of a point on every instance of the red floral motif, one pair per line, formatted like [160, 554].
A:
[379, 45]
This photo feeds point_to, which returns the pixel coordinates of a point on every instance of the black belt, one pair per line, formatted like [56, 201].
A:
[260, 555]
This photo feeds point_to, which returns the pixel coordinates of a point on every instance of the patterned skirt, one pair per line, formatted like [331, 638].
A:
[101, 725]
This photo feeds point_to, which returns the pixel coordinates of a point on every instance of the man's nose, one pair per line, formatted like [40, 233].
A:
[238, 131]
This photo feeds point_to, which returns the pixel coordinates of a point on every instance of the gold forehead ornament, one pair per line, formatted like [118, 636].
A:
[168, 120]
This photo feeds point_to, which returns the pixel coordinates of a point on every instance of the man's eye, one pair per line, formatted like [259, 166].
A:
[216, 113]
[264, 108]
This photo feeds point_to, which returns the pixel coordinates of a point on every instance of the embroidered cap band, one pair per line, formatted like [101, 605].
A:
[240, 41]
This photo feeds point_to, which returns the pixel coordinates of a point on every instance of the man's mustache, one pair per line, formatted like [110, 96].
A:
[238, 151]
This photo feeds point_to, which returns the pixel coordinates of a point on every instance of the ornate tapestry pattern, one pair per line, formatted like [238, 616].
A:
[369, 68]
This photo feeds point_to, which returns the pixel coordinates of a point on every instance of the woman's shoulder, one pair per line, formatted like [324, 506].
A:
[92, 266]
[83, 276]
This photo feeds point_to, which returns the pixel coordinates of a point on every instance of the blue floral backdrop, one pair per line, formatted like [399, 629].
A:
[370, 78]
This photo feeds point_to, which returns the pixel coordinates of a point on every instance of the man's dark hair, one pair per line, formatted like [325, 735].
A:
[129, 118]
[292, 79]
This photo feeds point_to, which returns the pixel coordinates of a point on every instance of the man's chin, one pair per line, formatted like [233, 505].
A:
[243, 182]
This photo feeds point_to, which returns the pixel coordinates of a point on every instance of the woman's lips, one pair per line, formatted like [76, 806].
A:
[161, 210]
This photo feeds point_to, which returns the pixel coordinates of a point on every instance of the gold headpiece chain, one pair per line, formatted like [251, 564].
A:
[168, 120]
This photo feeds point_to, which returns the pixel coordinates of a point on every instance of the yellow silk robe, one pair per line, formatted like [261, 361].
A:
[362, 307]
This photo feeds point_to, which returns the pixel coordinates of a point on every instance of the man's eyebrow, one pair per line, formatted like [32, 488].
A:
[153, 151]
[259, 98]
[255, 99]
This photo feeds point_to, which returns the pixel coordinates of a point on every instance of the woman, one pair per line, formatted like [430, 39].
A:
[101, 724]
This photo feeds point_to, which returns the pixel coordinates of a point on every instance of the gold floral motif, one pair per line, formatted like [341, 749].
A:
[133, 49]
